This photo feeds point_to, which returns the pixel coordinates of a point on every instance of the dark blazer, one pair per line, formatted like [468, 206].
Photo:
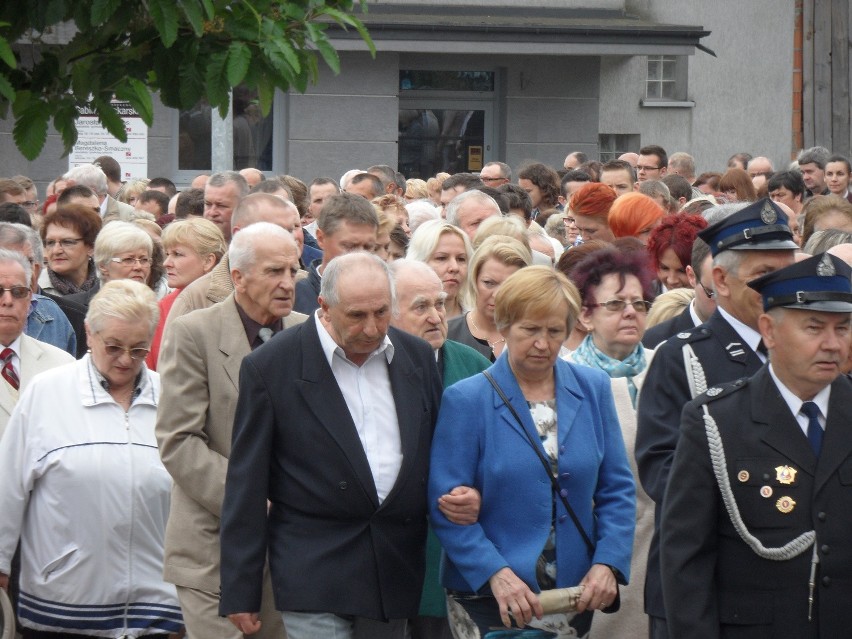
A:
[308, 289]
[655, 335]
[76, 314]
[332, 547]
[714, 584]
[724, 357]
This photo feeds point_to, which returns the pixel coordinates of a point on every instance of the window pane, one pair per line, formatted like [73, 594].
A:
[654, 72]
[669, 90]
[434, 140]
[654, 90]
[253, 135]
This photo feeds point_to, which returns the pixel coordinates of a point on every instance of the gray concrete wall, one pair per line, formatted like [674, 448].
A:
[743, 97]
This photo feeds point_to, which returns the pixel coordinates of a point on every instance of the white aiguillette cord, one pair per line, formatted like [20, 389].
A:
[794, 548]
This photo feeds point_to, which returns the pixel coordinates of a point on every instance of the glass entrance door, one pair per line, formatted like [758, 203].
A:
[444, 136]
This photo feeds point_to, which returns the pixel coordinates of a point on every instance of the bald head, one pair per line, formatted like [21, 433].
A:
[843, 251]
[420, 307]
[264, 207]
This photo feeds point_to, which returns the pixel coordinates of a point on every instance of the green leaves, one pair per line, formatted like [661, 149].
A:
[185, 50]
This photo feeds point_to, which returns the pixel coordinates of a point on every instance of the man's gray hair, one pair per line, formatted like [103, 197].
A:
[242, 254]
[329, 287]
[505, 169]
[723, 211]
[420, 211]
[224, 177]
[89, 175]
[7, 255]
[456, 203]
[415, 268]
[816, 154]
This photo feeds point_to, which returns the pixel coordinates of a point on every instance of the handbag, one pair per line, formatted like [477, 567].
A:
[616, 604]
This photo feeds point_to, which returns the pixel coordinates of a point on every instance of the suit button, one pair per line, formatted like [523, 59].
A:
[565, 475]
[562, 518]
[825, 549]
[562, 449]
[821, 516]
[563, 492]
[408, 521]
[343, 485]
[826, 581]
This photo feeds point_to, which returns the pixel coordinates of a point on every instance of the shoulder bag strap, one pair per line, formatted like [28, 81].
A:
[536, 447]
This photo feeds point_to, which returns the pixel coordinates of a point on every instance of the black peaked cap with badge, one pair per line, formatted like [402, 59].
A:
[761, 226]
[820, 283]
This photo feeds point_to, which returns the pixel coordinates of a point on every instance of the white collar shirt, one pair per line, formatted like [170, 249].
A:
[750, 336]
[368, 395]
[795, 403]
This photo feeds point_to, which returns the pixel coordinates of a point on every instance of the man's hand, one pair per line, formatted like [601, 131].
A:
[246, 622]
[4, 582]
[461, 505]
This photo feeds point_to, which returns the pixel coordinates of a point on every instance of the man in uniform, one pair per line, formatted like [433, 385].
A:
[755, 527]
[749, 243]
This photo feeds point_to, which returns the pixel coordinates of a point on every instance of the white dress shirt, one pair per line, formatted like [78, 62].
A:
[750, 336]
[795, 403]
[369, 398]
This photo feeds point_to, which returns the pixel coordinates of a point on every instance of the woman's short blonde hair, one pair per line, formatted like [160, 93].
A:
[387, 221]
[510, 225]
[668, 305]
[535, 291]
[125, 300]
[120, 237]
[506, 250]
[199, 234]
[415, 189]
[425, 240]
[131, 189]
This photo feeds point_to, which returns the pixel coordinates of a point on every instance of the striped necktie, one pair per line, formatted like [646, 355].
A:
[9, 373]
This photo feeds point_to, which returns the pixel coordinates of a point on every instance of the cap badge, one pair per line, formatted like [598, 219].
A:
[785, 474]
[768, 214]
[825, 268]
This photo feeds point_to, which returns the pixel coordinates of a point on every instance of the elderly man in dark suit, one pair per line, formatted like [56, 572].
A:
[756, 521]
[751, 242]
[333, 429]
[199, 366]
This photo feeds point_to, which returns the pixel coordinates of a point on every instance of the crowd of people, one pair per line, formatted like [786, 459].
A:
[372, 407]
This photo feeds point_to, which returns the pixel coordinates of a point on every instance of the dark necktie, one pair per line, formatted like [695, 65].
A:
[8, 371]
[815, 432]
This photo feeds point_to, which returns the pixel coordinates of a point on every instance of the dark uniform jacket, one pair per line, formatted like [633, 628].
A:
[725, 357]
[658, 334]
[714, 584]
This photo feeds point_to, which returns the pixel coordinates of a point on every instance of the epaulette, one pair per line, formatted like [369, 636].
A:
[721, 390]
[695, 335]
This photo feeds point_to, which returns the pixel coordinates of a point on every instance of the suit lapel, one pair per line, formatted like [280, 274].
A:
[837, 444]
[324, 399]
[233, 343]
[406, 383]
[30, 356]
[502, 374]
[779, 428]
[733, 345]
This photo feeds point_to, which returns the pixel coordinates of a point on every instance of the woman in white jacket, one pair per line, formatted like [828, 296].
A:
[82, 485]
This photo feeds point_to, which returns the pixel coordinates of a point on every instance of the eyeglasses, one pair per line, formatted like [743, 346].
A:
[491, 179]
[18, 292]
[618, 306]
[116, 350]
[130, 261]
[67, 243]
[710, 294]
[648, 168]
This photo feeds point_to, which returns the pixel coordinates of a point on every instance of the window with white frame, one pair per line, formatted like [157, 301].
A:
[612, 145]
[667, 78]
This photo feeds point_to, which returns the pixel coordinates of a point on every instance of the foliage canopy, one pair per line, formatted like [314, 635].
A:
[187, 50]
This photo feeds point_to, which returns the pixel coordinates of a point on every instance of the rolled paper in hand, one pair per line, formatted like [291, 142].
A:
[560, 599]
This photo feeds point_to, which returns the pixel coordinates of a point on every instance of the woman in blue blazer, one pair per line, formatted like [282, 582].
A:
[525, 540]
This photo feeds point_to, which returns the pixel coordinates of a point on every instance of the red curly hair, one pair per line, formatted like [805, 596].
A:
[676, 232]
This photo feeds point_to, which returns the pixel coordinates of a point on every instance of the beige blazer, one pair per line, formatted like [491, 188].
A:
[199, 368]
[35, 357]
[631, 621]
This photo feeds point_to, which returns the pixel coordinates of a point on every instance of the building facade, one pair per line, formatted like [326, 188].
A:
[456, 84]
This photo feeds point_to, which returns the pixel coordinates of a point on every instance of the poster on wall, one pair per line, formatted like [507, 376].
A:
[94, 141]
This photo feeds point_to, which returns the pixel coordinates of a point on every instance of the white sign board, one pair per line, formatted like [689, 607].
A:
[94, 141]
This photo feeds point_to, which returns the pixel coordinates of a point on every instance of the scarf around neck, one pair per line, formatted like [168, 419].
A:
[590, 355]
